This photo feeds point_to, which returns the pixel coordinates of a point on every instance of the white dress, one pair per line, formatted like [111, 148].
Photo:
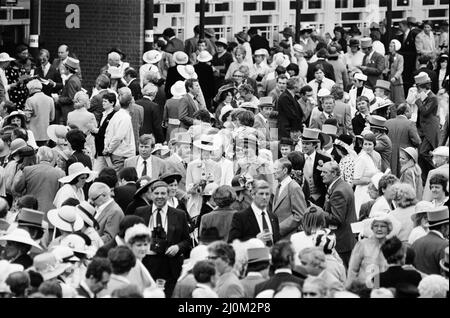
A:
[68, 191]
[364, 168]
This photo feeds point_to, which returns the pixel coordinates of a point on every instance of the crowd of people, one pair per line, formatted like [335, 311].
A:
[217, 169]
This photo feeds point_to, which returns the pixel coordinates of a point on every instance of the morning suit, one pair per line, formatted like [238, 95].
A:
[188, 106]
[157, 169]
[403, 134]
[429, 251]
[289, 207]
[124, 194]
[52, 74]
[71, 87]
[340, 207]
[152, 119]
[290, 115]
[162, 266]
[375, 67]
[408, 50]
[244, 226]
[221, 219]
[108, 221]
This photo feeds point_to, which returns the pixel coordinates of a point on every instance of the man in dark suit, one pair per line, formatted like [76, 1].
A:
[173, 44]
[409, 52]
[256, 221]
[152, 116]
[313, 159]
[257, 41]
[101, 84]
[189, 103]
[340, 206]
[71, 87]
[327, 67]
[430, 249]
[373, 63]
[282, 262]
[290, 114]
[130, 76]
[96, 278]
[123, 194]
[424, 60]
[427, 123]
[46, 71]
[170, 241]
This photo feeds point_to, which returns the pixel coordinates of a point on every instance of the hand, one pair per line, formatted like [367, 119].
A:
[51, 83]
[106, 153]
[393, 80]
[264, 236]
[172, 250]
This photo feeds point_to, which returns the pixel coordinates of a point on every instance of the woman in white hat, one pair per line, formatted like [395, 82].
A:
[205, 76]
[410, 171]
[151, 59]
[239, 55]
[171, 118]
[66, 220]
[173, 73]
[367, 259]
[420, 221]
[260, 68]
[18, 246]
[137, 238]
[73, 184]
[90, 226]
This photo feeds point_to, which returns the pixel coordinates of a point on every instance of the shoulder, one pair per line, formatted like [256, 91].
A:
[142, 210]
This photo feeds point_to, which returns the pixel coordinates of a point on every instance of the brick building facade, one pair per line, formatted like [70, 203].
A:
[103, 24]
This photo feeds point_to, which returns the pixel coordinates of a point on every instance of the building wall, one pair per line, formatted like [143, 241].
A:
[103, 24]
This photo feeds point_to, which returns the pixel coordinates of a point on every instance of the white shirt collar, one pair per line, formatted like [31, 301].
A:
[313, 156]
[163, 209]
[283, 270]
[102, 207]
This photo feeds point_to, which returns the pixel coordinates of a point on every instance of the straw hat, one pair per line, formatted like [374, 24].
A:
[77, 169]
[310, 134]
[57, 132]
[262, 52]
[249, 105]
[441, 151]
[204, 57]
[422, 207]
[422, 78]
[438, 216]
[87, 212]
[187, 71]
[224, 88]
[180, 58]
[225, 110]
[4, 57]
[66, 219]
[299, 48]
[16, 145]
[360, 76]
[20, 236]
[76, 243]
[152, 57]
[260, 254]
[48, 266]
[412, 152]
[205, 142]
[64, 254]
[366, 43]
[383, 85]
[162, 148]
[72, 63]
[377, 122]
[178, 89]
[222, 41]
[29, 217]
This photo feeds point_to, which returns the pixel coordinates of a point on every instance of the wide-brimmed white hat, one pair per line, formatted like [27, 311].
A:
[66, 219]
[57, 132]
[394, 224]
[204, 56]
[48, 266]
[160, 147]
[4, 57]
[20, 236]
[77, 169]
[152, 56]
[180, 58]
[225, 109]
[76, 243]
[205, 142]
[178, 89]
[87, 212]
[187, 71]
[280, 59]
[64, 254]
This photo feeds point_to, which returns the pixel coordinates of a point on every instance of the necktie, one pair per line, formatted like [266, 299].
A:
[144, 171]
[158, 218]
[264, 222]
[319, 86]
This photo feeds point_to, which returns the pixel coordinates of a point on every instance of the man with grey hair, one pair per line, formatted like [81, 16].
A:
[40, 110]
[41, 180]
[152, 113]
[340, 207]
[108, 212]
[136, 112]
[256, 221]
[50, 74]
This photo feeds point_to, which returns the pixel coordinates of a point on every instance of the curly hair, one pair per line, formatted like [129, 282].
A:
[433, 286]
[386, 181]
[393, 250]
[405, 195]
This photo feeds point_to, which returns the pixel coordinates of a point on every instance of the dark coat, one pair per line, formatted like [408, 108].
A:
[96, 106]
[375, 67]
[409, 53]
[397, 275]
[276, 280]
[187, 109]
[318, 181]
[172, 77]
[429, 251]
[244, 226]
[206, 81]
[135, 88]
[135, 203]
[259, 42]
[327, 67]
[340, 207]
[174, 45]
[152, 119]
[290, 115]
[123, 195]
[428, 123]
[100, 135]
[52, 74]
[433, 76]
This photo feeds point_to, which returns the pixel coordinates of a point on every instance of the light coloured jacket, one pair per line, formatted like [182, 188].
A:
[119, 136]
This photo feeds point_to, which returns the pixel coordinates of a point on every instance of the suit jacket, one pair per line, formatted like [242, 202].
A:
[249, 283]
[187, 109]
[97, 105]
[340, 207]
[52, 74]
[220, 219]
[71, 87]
[109, 221]
[328, 70]
[174, 45]
[135, 88]
[318, 181]
[375, 67]
[100, 135]
[397, 275]
[403, 134]
[152, 119]
[158, 166]
[244, 226]
[123, 195]
[433, 76]
[289, 208]
[429, 251]
[290, 115]
[384, 148]
[396, 69]
[427, 120]
[319, 119]
[344, 111]
[177, 227]
[276, 280]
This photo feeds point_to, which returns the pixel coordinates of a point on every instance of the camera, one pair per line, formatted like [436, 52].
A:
[159, 243]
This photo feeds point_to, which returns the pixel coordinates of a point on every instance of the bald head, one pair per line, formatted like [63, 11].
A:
[63, 52]
[99, 193]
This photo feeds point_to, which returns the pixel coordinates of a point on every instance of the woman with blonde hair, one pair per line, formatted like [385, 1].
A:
[410, 171]
[405, 202]
[239, 54]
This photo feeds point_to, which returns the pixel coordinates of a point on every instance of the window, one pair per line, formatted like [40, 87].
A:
[383, 3]
[3, 14]
[221, 7]
[249, 6]
[310, 17]
[256, 19]
[444, 2]
[173, 8]
[315, 4]
[437, 13]
[428, 2]
[341, 4]
[271, 5]
[293, 5]
[21, 14]
[214, 20]
[397, 14]
[197, 7]
[157, 8]
[350, 16]
[359, 3]
[402, 3]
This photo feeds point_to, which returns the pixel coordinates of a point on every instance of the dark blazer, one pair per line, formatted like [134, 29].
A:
[123, 195]
[134, 204]
[409, 53]
[340, 207]
[135, 87]
[429, 251]
[259, 42]
[244, 226]
[428, 123]
[52, 74]
[397, 275]
[172, 77]
[206, 81]
[97, 105]
[177, 227]
[327, 67]
[100, 135]
[290, 115]
[71, 87]
[152, 119]
[375, 67]
[318, 181]
[276, 280]
[187, 109]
